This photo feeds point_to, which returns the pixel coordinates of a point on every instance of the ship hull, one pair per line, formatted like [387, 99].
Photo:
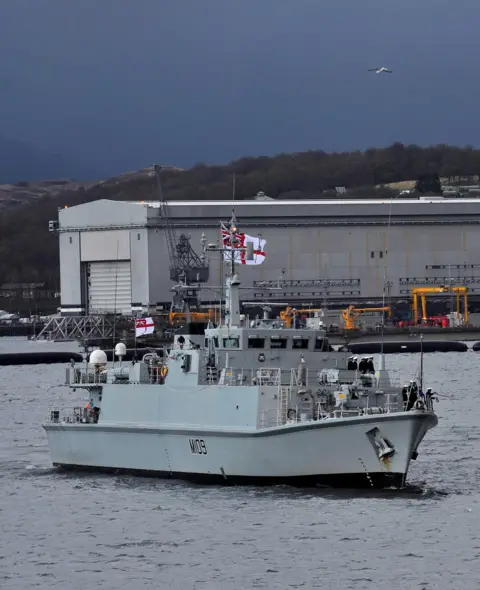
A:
[336, 453]
[344, 480]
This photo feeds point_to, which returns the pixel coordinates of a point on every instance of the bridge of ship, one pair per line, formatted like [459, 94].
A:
[260, 347]
[243, 339]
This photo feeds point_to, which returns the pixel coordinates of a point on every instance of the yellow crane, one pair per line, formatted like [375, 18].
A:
[422, 291]
[289, 313]
[176, 317]
[351, 314]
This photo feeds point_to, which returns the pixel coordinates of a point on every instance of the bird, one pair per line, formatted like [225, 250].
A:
[380, 70]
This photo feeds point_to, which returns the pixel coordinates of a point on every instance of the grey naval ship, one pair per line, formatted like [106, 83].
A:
[245, 401]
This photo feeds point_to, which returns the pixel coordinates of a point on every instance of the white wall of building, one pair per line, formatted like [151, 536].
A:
[105, 245]
[70, 281]
[139, 250]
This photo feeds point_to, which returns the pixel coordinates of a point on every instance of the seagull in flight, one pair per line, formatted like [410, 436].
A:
[380, 70]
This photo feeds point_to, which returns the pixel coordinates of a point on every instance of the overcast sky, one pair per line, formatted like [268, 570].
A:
[124, 83]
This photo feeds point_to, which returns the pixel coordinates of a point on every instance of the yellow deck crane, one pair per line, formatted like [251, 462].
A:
[289, 313]
[178, 317]
[422, 291]
[351, 314]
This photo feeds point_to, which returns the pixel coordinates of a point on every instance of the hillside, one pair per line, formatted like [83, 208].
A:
[29, 253]
[20, 162]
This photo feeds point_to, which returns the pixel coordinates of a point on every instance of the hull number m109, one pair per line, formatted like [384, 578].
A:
[198, 446]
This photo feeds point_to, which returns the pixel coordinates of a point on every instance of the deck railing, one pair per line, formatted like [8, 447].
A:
[311, 378]
[316, 410]
[73, 415]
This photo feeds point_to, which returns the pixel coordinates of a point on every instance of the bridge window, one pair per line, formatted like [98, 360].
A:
[322, 344]
[231, 342]
[301, 343]
[278, 342]
[256, 342]
[214, 341]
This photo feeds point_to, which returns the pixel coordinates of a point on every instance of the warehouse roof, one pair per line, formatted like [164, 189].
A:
[277, 203]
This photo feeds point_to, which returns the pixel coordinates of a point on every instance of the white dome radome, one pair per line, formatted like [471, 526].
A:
[120, 349]
[98, 357]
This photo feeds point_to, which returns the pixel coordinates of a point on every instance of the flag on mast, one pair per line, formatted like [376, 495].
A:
[144, 326]
[240, 240]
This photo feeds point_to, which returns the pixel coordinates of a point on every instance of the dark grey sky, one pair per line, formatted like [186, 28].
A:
[124, 83]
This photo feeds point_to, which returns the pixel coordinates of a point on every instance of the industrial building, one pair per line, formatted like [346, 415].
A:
[114, 256]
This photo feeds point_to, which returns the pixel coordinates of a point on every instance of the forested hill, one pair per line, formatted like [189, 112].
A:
[29, 253]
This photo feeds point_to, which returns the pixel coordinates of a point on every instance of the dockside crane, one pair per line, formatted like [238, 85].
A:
[185, 264]
[459, 291]
[187, 268]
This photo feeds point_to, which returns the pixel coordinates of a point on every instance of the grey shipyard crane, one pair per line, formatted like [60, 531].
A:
[187, 268]
[185, 264]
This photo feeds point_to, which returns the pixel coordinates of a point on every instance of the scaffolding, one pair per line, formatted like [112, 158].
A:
[85, 328]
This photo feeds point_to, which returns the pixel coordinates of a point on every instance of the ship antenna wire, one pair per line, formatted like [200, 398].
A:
[234, 220]
[385, 265]
[115, 304]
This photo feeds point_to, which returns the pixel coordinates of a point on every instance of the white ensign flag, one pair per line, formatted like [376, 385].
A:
[241, 241]
[144, 326]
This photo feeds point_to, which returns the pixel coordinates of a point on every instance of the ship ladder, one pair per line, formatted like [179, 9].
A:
[284, 399]
[212, 375]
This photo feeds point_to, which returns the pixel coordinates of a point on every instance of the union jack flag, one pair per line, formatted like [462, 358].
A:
[240, 240]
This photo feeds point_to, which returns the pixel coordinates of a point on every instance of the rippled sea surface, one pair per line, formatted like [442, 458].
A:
[107, 532]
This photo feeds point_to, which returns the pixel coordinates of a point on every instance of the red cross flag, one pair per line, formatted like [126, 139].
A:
[240, 241]
[144, 326]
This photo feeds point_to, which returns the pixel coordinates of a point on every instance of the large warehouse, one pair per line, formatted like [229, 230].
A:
[114, 257]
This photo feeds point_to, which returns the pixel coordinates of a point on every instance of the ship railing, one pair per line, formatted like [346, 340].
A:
[316, 409]
[337, 377]
[73, 415]
[301, 412]
[295, 379]
[77, 376]
[271, 418]
[233, 377]
[429, 404]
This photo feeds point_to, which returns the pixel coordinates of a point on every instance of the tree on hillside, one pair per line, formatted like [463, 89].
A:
[429, 182]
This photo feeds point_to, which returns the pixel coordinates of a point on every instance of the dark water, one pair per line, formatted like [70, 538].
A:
[106, 532]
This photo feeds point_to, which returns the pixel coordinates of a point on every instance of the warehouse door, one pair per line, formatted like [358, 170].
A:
[109, 287]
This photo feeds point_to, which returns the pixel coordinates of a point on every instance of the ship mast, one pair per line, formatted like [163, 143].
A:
[232, 252]
[232, 293]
